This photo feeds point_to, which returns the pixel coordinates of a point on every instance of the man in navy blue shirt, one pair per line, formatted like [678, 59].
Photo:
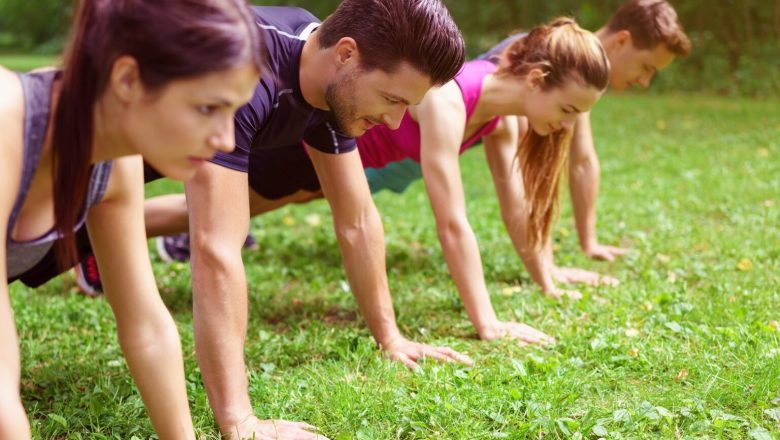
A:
[325, 84]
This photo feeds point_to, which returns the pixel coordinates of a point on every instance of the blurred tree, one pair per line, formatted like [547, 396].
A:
[736, 42]
[35, 24]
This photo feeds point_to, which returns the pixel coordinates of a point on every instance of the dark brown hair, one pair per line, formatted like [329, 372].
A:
[170, 40]
[562, 51]
[651, 22]
[388, 32]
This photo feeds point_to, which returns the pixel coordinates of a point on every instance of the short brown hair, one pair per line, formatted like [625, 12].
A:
[388, 32]
[651, 22]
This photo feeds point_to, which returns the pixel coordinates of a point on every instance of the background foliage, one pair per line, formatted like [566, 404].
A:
[736, 42]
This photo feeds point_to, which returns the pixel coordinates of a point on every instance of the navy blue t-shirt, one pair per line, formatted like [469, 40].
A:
[494, 52]
[277, 115]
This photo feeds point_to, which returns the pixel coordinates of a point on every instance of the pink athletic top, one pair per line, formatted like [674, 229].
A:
[381, 145]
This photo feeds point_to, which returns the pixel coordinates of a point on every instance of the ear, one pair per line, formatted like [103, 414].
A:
[346, 52]
[535, 79]
[623, 38]
[125, 79]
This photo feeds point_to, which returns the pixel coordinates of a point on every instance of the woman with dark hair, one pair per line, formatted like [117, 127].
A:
[154, 79]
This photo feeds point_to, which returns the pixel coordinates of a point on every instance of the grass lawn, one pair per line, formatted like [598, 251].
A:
[25, 62]
[688, 346]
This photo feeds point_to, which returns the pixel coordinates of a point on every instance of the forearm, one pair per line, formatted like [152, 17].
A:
[363, 252]
[153, 354]
[584, 175]
[584, 186]
[536, 262]
[220, 323]
[461, 252]
[166, 215]
[13, 420]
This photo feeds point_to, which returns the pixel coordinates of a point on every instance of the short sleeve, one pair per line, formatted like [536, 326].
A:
[249, 120]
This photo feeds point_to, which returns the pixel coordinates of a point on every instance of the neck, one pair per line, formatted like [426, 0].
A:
[502, 95]
[314, 72]
[606, 41]
[109, 140]
[601, 34]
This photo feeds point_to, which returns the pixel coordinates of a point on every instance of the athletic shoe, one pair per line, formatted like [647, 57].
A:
[250, 243]
[88, 277]
[177, 247]
[174, 247]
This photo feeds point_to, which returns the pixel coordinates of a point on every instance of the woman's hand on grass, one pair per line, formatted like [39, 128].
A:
[573, 275]
[523, 333]
[410, 353]
[256, 429]
[604, 252]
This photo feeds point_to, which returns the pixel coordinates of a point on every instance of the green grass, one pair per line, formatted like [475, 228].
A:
[692, 184]
[25, 62]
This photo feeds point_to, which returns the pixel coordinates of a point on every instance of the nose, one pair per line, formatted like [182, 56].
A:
[223, 140]
[645, 80]
[393, 118]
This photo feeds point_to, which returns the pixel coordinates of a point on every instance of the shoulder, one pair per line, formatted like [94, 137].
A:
[12, 104]
[441, 102]
[12, 139]
[288, 22]
[126, 179]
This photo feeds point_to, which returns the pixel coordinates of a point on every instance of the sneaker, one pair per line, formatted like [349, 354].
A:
[174, 247]
[88, 277]
[177, 247]
[250, 243]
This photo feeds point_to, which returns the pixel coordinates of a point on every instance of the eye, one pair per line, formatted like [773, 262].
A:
[206, 110]
[565, 111]
[391, 101]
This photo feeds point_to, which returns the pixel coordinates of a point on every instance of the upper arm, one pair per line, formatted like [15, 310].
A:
[501, 153]
[218, 204]
[343, 183]
[11, 148]
[582, 146]
[442, 120]
[118, 237]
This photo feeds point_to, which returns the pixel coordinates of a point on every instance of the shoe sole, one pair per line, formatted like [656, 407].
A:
[164, 255]
[84, 286]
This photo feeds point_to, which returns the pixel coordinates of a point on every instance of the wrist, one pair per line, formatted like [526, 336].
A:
[589, 241]
[547, 279]
[387, 339]
[230, 417]
[228, 429]
[489, 330]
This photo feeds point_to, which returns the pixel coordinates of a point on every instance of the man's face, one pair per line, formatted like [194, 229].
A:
[631, 66]
[361, 99]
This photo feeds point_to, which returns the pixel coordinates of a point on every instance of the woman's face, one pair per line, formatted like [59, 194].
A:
[179, 127]
[557, 108]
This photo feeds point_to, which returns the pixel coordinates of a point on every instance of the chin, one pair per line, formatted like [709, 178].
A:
[354, 131]
[181, 173]
[544, 132]
[619, 87]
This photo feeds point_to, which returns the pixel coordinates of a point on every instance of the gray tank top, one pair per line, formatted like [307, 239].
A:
[22, 256]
